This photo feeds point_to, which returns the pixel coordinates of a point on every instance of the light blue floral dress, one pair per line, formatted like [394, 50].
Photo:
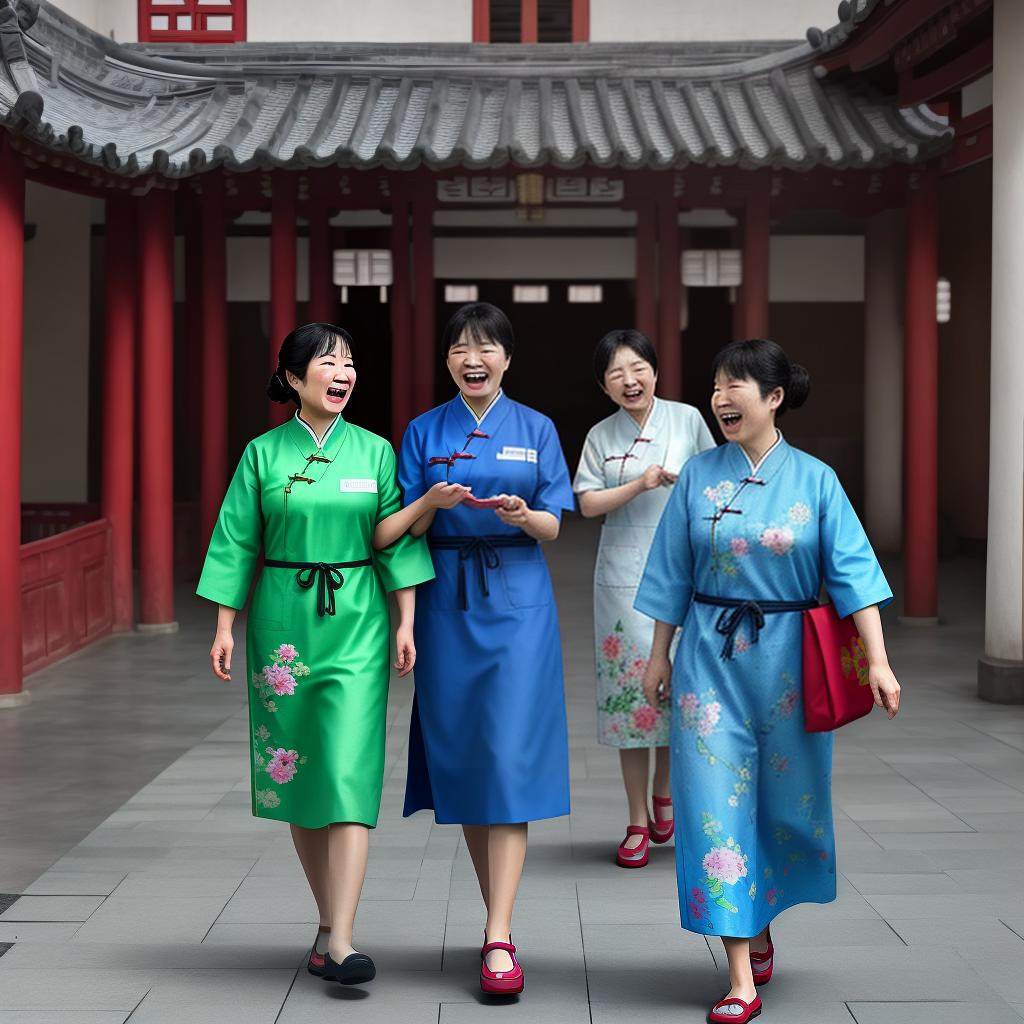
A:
[751, 788]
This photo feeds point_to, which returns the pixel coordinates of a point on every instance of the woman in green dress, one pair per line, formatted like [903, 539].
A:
[318, 496]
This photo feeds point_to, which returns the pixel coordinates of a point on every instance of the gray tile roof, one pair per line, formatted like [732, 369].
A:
[176, 111]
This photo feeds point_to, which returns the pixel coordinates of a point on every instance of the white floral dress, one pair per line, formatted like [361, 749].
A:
[616, 452]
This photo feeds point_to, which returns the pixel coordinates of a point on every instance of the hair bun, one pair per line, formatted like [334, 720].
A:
[799, 386]
[278, 390]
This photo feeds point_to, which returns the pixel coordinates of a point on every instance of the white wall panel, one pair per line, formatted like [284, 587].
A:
[817, 268]
[385, 21]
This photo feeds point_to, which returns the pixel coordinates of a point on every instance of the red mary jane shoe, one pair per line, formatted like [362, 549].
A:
[750, 1011]
[762, 963]
[501, 983]
[315, 964]
[637, 857]
[662, 830]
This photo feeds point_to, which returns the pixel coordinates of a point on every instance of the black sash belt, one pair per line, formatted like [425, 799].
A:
[325, 575]
[484, 550]
[735, 610]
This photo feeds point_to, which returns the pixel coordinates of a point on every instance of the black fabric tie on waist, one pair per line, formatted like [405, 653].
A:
[326, 575]
[484, 550]
[735, 610]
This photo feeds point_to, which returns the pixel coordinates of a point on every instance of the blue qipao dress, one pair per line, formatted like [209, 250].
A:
[751, 787]
[488, 741]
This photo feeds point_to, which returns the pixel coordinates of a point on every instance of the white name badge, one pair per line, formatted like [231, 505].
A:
[510, 453]
[366, 486]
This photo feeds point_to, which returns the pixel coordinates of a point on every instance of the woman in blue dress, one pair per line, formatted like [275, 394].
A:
[751, 532]
[488, 745]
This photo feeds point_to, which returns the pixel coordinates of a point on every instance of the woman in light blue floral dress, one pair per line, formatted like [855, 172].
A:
[629, 462]
[751, 532]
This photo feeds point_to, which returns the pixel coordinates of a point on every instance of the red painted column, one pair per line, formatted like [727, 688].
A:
[481, 21]
[213, 453]
[528, 21]
[401, 320]
[646, 270]
[581, 21]
[921, 405]
[670, 295]
[323, 302]
[190, 408]
[752, 302]
[156, 412]
[283, 289]
[12, 278]
[423, 305]
[118, 485]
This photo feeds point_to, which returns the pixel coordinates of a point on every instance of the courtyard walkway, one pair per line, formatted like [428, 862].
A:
[141, 888]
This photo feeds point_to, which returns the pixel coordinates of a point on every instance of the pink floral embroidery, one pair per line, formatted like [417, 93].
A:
[698, 904]
[778, 539]
[645, 718]
[724, 865]
[282, 765]
[689, 703]
[739, 546]
[611, 646]
[279, 679]
[741, 645]
[772, 896]
[287, 652]
[709, 719]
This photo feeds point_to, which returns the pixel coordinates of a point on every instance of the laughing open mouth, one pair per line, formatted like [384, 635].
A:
[730, 419]
[633, 393]
[474, 378]
[337, 392]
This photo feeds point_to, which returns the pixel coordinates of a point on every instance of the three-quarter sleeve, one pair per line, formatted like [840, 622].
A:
[590, 471]
[554, 492]
[407, 562]
[852, 575]
[237, 537]
[666, 587]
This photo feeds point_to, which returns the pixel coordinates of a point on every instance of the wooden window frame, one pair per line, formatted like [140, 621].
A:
[529, 31]
[148, 8]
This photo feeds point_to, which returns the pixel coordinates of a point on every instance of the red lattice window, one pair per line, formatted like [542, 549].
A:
[192, 21]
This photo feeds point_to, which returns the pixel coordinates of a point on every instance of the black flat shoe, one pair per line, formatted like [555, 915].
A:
[355, 969]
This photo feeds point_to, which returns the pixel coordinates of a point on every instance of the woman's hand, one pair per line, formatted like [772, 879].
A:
[513, 511]
[443, 495]
[656, 476]
[220, 654]
[884, 688]
[658, 681]
[406, 648]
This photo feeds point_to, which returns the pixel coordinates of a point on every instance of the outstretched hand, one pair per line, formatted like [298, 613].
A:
[443, 495]
[513, 511]
[658, 476]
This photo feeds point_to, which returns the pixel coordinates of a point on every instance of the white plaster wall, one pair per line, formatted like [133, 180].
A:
[690, 20]
[816, 268]
[55, 389]
[380, 21]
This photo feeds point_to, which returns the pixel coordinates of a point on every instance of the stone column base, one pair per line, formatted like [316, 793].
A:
[999, 681]
[15, 700]
[156, 628]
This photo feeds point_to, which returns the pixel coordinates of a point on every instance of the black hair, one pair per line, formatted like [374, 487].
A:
[765, 362]
[483, 323]
[298, 350]
[623, 338]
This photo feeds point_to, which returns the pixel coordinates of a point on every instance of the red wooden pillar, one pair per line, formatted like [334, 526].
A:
[156, 412]
[283, 290]
[646, 270]
[193, 343]
[213, 452]
[401, 320]
[751, 315]
[921, 405]
[423, 305]
[322, 293]
[670, 295]
[118, 484]
[581, 21]
[528, 15]
[12, 277]
[481, 21]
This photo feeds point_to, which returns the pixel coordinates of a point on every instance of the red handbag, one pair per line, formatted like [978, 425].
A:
[835, 664]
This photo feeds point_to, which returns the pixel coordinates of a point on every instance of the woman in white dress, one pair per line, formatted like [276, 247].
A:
[630, 461]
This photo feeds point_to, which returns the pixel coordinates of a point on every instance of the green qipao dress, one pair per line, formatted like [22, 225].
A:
[317, 639]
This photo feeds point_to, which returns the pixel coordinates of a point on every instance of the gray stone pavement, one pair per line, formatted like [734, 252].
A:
[177, 905]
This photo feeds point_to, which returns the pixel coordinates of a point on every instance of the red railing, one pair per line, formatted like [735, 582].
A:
[66, 593]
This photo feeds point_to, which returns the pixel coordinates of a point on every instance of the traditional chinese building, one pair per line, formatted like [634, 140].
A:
[192, 196]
